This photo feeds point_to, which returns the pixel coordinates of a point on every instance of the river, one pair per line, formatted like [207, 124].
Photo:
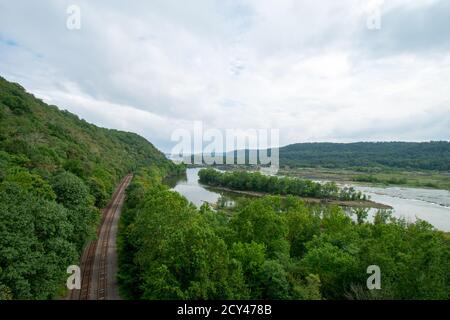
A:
[430, 205]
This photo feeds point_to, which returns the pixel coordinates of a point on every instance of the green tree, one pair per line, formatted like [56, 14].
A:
[273, 281]
[35, 247]
[70, 190]
[32, 183]
[259, 223]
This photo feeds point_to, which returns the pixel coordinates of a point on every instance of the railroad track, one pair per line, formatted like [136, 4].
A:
[94, 265]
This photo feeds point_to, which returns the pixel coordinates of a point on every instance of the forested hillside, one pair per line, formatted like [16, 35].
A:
[56, 171]
[363, 155]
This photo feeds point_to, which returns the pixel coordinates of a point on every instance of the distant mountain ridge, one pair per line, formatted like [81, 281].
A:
[433, 155]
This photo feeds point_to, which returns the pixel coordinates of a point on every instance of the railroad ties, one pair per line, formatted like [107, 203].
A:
[96, 253]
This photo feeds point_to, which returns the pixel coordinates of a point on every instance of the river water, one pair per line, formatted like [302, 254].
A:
[410, 203]
[192, 189]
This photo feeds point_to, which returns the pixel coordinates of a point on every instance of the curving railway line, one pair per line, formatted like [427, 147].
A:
[99, 260]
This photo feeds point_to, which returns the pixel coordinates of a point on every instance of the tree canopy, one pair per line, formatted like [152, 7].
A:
[272, 248]
[255, 181]
[56, 171]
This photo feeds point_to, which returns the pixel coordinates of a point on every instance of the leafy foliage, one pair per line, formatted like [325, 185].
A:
[35, 243]
[45, 140]
[272, 248]
[243, 180]
[55, 172]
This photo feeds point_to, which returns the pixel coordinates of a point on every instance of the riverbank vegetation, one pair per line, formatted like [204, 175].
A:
[418, 180]
[255, 181]
[271, 248]
[382, 177]
[56, 172]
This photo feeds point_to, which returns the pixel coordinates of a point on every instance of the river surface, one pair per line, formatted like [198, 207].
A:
[192, 189]
[410, 203]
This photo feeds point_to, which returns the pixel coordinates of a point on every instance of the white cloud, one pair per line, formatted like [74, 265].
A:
[311, 70]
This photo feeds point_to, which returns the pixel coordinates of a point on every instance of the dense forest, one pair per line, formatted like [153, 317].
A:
[271, 248]
[367, 155]
[255, 181]
[362, 156]
[56, 171]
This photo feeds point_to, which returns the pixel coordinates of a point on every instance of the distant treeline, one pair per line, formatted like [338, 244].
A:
[369, 155]
[56, 171]
[374, 179]
[255, 181]
[361, 156]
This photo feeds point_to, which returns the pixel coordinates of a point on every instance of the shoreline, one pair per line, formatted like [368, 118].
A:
[408, 179]
[342, 203]
[432, 180]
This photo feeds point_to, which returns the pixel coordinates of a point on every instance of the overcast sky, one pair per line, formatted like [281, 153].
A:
[312, 69]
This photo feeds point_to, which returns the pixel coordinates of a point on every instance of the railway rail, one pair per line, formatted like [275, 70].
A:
[96, 278]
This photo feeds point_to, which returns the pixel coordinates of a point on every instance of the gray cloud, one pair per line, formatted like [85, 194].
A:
[311, 70]
[423, 29]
